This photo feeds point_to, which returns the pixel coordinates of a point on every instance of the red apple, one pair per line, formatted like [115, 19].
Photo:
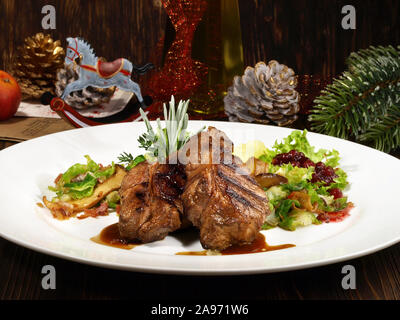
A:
[10, 96]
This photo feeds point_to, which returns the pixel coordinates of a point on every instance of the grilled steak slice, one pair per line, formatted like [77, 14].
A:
[150, 201]
[221, 199]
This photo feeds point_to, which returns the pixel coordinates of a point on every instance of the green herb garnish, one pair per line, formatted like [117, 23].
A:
[161, 142]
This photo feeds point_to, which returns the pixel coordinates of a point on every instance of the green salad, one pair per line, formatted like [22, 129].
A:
[79, 180]
[86, 187]
[312, 192]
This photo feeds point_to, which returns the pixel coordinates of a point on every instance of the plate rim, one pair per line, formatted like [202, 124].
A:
[198, 272]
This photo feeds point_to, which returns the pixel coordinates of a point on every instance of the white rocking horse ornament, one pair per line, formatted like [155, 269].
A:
[96, 73]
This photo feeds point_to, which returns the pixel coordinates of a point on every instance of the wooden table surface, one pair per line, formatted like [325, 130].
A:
[377, 275]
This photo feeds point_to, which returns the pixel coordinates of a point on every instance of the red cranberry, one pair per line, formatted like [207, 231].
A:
[308, 163]
[336, 193]
[319, 166]
[296, 158]
[296, 164]
[323, 173]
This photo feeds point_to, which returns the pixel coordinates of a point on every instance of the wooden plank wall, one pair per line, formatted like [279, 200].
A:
[307, 34]
[304, 34]
[114, 28]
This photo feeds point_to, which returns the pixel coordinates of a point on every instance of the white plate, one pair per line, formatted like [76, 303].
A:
[26, 170]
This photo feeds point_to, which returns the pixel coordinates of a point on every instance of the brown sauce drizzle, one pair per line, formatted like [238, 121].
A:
[258, 245]
[110, 236]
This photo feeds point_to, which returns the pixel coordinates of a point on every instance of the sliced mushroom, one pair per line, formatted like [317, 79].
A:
[66, 209]
[267, 180]
[303, 198]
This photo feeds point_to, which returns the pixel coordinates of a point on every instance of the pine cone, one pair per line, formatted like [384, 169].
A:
[264, 94]
[36, 63]
[84, 98]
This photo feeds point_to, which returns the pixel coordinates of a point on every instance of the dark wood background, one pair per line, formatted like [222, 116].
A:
[117, 28]
[304, 34]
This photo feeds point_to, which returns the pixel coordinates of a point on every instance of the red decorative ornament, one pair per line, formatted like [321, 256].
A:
[310, 86]
[72, 116]
[180, 75]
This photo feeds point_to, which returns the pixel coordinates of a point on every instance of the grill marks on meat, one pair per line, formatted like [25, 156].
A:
[227, 208]
[223, 200]
[150, 203]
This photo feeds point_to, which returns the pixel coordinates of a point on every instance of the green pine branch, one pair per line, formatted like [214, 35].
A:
[362, 99]
[385, 133]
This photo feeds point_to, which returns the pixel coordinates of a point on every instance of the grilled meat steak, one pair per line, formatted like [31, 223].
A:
[150, 201]
[221, 199]
[208, 187]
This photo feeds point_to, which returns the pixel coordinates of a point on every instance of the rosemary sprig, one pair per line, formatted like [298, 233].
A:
[161, 142]
[125, 158]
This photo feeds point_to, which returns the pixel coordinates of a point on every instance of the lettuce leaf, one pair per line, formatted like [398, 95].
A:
[73, 172]
[297, 140]
[113, 199]
[268, 155]
[289, 216]
[91, 173]
[78, 169]
[276, 194]
[282, 211]
[298, 218]
[82, 189]
[294, 175]
[341, 181]
[105, 173]
[340, 204]
[135, 162]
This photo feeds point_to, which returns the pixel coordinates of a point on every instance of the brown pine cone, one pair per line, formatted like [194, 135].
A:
[36, 63]
[264, 94]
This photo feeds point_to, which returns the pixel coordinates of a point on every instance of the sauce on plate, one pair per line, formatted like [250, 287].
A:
[258, 245]
[109, 236]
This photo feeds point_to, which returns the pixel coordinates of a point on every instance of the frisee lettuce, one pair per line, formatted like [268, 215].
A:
[293, 174]
[297, 140]
[284, 212]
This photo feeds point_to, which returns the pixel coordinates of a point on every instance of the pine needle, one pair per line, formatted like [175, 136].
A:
[364, 102]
